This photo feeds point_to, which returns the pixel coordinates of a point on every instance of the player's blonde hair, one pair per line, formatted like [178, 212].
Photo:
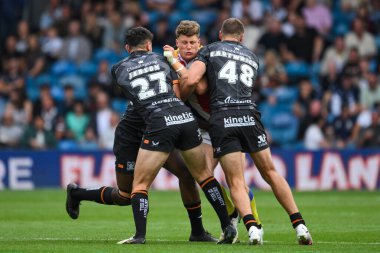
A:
[187, 28]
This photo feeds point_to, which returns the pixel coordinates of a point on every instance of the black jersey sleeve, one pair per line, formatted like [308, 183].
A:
[203, 55]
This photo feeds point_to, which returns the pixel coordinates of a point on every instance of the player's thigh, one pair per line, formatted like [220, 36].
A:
[263, 161]
[148, 164]
[176, 165]
[209, 153]
[195, 160]
[233, 169]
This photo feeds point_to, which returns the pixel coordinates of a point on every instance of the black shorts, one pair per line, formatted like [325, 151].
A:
[169, 129]
[128, 135]
[237, 130]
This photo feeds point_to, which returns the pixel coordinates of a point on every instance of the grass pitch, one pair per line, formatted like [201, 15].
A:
[36, 221]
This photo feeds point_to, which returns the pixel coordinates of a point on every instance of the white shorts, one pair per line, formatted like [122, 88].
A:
[206, 137]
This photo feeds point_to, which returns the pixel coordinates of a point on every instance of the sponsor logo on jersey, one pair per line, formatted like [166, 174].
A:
[155, 144]
[230, 100]
[166, 100]
[239, 121]
[146, 141]
[262, 140]
[179, 119]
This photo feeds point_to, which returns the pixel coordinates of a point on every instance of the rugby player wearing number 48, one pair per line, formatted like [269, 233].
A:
[235, 125]
[188, 43]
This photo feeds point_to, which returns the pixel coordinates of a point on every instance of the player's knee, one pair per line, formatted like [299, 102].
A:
[119, 199]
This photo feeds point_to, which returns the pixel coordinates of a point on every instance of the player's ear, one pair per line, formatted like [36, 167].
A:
[148, 46]
[241, 37]
[176, 42]
[127, 48]
[220, 35]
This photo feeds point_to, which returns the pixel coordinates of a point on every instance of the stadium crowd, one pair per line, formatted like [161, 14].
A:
[319, 82]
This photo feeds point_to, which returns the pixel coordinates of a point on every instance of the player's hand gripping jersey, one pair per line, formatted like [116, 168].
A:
[199, 104]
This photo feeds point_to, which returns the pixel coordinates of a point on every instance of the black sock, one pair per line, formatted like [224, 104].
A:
[296, 219]
[102, 195]
[234, 214]
[195, 215]
[213, 193]
[250, 221]
[140, 208]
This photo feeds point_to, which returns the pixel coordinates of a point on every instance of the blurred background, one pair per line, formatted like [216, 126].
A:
[318, 88]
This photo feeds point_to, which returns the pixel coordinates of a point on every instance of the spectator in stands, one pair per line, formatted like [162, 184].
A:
[22, 37]
[62, 24]
[89, 142]
[369, 136]
[114, 31]
[162, 35]
[19, 107]
[359, 37]
[317, 16]
[37, 137]
[312, 43]
[273, 38]
[212, 31]
[106, 140]
[77, 121]
[49, 112]
[103, 76]
[93, 30]
[274, 74]
[163, 7]
[68, 102]
[336, 54]
[329, 81]
[10, 132]
[306, 102]
[76, 47]
[352, 66]
[52, 13]
[101, 118]
[13, 76]
[343, 125]
[363, 14]
[52, 45]
[277, 10]
[314, 137]
[370, 93]
[251, 9]
[35, 60]
[346, 94]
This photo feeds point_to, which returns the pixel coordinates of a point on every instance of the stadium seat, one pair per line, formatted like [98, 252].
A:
[119, 105]
[105, 54]
[63, 67]
[78, 84]
[87, 69]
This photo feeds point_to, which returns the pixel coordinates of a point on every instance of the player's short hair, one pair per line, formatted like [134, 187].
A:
[187, 28]
[137, 36]
[232, 26]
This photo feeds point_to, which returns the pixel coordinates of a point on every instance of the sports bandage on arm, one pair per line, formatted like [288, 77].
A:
[177, 66]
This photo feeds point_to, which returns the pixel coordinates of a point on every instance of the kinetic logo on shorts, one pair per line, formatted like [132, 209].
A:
[239, 121]
[179, 119]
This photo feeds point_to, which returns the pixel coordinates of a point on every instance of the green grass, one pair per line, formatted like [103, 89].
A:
[36, 221]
